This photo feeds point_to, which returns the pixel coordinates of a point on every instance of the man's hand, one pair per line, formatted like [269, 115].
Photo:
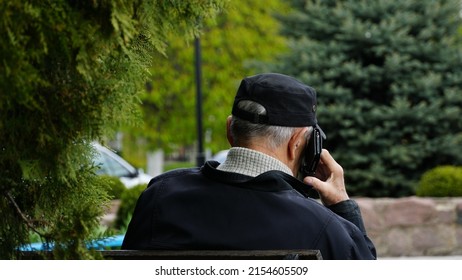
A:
[329, 181]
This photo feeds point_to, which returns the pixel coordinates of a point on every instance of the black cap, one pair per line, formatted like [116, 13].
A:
[287, 101]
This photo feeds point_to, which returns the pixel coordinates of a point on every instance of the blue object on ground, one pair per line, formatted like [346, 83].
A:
[110, 242]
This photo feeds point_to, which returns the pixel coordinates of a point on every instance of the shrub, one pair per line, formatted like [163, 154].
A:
[441, 181]
[114, 186]
[127, 205]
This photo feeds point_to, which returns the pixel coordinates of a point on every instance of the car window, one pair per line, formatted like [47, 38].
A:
[110, 166]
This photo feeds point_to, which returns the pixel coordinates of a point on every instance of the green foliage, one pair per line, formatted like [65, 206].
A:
[77, 205]
[245, 32]
[127, 205]
[388, 76]
[71, 72]
[176, 165]
[441, 181]
[113, 186]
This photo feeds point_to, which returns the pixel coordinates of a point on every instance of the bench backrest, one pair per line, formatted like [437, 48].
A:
[193, 254]
[212, 255]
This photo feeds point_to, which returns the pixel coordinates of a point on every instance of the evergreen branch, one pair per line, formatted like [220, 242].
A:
[28, 222]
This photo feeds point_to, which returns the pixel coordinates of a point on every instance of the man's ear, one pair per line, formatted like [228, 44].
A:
[296, 143]
[228, 131]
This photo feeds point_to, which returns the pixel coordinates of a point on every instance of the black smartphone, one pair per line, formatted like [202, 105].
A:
[312, 155]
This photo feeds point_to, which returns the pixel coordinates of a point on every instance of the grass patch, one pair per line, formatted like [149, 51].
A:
[178, 164]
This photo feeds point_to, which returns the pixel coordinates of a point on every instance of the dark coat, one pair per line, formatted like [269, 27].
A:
[210, 209]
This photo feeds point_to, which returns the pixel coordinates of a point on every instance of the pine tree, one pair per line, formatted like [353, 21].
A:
[71, 72]
[388, 76]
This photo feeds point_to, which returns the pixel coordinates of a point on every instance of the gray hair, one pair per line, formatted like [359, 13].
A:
[243, 131]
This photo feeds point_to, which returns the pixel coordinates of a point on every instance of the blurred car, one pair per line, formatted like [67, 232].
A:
[220, 156]
[112, 164]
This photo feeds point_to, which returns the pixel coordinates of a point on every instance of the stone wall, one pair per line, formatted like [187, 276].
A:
[414, 226]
